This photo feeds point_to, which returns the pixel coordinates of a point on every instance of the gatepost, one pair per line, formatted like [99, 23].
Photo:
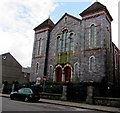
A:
[64, 93]
[89, 99]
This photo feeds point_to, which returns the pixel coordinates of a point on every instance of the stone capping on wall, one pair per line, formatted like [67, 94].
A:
[115, 102]
[50, 96]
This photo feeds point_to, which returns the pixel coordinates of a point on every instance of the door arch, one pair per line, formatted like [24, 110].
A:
[58, 74]
[67, 71]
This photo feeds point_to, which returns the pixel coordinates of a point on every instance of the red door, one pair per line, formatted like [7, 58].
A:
[59, 74]
[67, 71]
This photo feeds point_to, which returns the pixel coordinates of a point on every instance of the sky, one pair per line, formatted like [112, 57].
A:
[18, 18]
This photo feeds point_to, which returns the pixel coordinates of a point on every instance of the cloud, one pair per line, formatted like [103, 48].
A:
[74, 0]
[17, 19]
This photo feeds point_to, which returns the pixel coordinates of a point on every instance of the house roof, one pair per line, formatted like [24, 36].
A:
[9, 58]
[115, 47]
[95, 7]
[47, 23]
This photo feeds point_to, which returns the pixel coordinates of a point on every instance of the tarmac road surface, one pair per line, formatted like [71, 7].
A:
[15, 105]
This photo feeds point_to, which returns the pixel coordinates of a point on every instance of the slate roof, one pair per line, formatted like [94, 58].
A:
[10, 59]
[95, 7]
[47, 23]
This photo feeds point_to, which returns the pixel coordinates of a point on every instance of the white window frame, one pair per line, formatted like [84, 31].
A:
[71, 49]
[58, 50]
[37, 65]
[90, 63]
[75, 69]
[93, 46]
[50, 70]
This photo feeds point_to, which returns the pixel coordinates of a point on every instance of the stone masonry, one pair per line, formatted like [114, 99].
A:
[60, 66]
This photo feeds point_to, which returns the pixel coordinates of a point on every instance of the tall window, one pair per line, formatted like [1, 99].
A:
[76, 69]
[66, 41]
[39, 47]
[39, 43]
[62, 43]
[37, 68]
[71, 41]
[92, 35]
[92, 63]
[58, 44]
[51, 71]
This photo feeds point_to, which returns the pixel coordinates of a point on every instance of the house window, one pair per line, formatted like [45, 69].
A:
[51, 71]
[39, 47]
[71, 41]
[116, 59]
[92, 63]
[76, 69]
[92, 35]
[64, 41]
[37, 68]
[39, 43]
[58, 44]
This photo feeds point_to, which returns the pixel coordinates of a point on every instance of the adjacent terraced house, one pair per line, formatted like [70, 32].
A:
[76, 50]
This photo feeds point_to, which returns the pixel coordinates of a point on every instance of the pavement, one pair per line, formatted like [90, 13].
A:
[78, 105]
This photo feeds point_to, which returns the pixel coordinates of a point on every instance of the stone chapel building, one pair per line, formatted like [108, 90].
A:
[75, 50]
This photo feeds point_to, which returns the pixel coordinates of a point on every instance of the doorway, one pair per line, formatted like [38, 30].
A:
[67, 71]
[59, 74]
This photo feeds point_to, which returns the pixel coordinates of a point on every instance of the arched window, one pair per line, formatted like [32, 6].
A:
[58, 44]
[64, 41]
[37, 68]
[39, 46]
[39, 43]
[71, 41]
[51, 71]
[92, 35]
[92, 63]
[76, 69]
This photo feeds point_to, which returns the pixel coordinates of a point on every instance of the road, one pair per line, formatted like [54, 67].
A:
[15, 105]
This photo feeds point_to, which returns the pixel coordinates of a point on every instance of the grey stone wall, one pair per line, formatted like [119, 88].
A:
[72, 25]
[81, 52]
[103, 40]
[40, 59]
[40, 73]
[99, 71]
[114, 102]
[81, 46]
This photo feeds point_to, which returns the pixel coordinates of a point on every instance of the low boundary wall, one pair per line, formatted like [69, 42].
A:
[114, 102]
